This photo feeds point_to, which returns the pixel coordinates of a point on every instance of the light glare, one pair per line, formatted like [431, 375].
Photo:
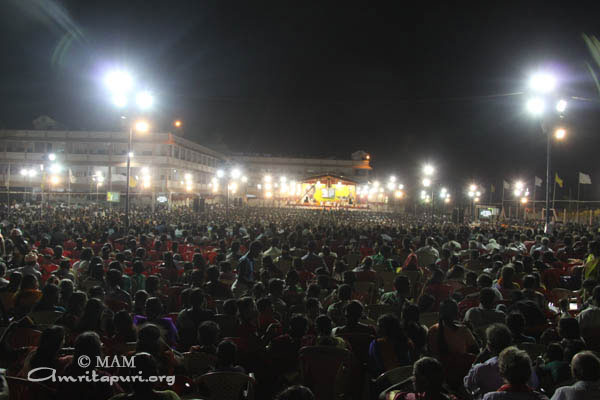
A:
[543, 82]
[144, 100]
[536, 106]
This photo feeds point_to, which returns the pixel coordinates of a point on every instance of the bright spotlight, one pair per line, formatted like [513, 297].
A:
[428, 170]
[426, 182]
[24, 172]
[118, 81]
[543, 82]
[560, 133]
[392, 178]
[561, 106]
[130, 154]
[268, 194]
[399, 194]
[235, 173]
[524, 200]
[244, 179]
[51, 156]
[283, 179]
[55, 180]
[536, 106]
[145, 170]
[177, 124]
[119, 100]
[519, 185]
[267, 178]
[55, 168]
[447, 200]
[188, 177]
[220, 173]
[472, 188]
[142, 126]
[391, 185]
[400, 186]
[144, 100]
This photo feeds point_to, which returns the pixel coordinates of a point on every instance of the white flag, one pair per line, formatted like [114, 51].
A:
[585, 179]
[538, 181]
[506, 185]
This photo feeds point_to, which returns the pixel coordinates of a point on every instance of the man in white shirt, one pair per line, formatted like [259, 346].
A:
[589, 319]
[585, 367]
[274, 251]
[427, 254]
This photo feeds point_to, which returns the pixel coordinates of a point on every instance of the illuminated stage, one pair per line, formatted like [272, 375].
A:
[327, 191]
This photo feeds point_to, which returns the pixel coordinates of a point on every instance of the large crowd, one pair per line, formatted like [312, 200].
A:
[295, 304]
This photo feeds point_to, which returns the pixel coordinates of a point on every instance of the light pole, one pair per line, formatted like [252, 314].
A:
[120, 85]
[428, 170]
[543, 85]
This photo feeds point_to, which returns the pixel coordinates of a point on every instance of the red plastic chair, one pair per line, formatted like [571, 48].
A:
[321, 368]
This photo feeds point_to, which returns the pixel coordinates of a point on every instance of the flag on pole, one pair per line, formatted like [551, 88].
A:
[71, 176]
[538, 181]
[559, 181]
[506, 185]
[585, 179]
[132, 182]
[493, 189]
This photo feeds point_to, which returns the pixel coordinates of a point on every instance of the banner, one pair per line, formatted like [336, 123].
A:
[559, 181]
[506, 185]
[538, 181]
[585, 179]
[113, 197]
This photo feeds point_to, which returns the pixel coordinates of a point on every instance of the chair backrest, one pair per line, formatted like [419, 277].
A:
[227, 385]
[429, 319]
[352, 259]
[392, 377]
[360, 343]
[533, 349]
[45, 317]
[23, 389]
[385, 280]
[197, 363]
[24, 337]
[414, 277]
[374, 311]
[321, 368]
[227, 323]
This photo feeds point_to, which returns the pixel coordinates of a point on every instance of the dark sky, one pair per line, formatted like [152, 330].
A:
[406, 83]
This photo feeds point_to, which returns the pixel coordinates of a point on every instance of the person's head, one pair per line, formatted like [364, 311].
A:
[514, 366]
[148, 339]
[29, 282]
[298, 326]
[471, 279]
[247, 309]
[323, 325]
[568, 328]
[87, 344]
[51, 341]
[388, 326]
[212, 274]
[484, 280]
[113, 277]
[344, 292]
[554, 352]
[152, 283]
[402, 285]
[410, 314]
[596, 295]
[230, 307]
[208, 333]
[296, 392]
[145, 367]
[153, 308]
[197, 299]
[448, 311]
[123, 322]
[507, 273]
[498, 337]
[226, 353]
[487, 296]
[77, 303]
[276, 287]
[313, 307]
[428, 376]
[585, 366]
[353, 311]
[255, 248]
[516, 323]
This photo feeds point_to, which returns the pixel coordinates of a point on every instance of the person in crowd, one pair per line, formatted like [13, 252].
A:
[516, 323]
[585, 368]
[448, 336]
[515, 368]
[428, 382]
[354, 312]
[391, 348]
[486, 313]
[190, 319]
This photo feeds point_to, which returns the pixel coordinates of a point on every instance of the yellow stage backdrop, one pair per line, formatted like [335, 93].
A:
[334, 193]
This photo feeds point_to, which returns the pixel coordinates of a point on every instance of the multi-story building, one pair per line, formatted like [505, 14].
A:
[81, 162]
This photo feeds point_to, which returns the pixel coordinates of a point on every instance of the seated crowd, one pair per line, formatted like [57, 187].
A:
[297, 304]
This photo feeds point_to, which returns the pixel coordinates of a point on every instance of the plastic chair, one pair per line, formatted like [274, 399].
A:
[23, 389]
[392, 377]
[197, 363]
[227, 385]
[374, 311]
[45, 317]
[533, 349]
[429, 319]
[24, 337]
[322, 370]
[385, 280]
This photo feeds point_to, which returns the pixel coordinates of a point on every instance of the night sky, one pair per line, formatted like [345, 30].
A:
[433, 83]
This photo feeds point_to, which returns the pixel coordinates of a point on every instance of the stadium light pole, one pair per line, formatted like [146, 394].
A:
[542, 85]
[120, 84]
[428, 171]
